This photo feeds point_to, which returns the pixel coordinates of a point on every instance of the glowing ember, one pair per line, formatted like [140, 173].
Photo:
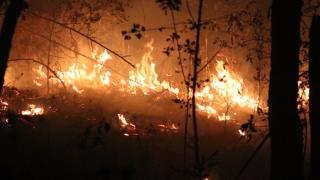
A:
[38, 111]
[4, 105]
[26, 112]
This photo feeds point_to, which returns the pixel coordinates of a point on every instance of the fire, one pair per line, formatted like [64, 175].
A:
[77, 90]
[303, 92]
[124, 123]
[222, 90]
[33, 110]
[242, 133]
[223, 117]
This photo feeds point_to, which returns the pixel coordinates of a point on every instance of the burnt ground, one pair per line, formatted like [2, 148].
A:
[69, 143]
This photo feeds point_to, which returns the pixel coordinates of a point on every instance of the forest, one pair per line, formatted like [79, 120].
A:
[163, 89]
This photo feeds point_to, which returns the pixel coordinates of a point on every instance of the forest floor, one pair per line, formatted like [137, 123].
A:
[73, 143]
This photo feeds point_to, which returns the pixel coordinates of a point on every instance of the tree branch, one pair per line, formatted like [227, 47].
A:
[33, 60]
[118, 55]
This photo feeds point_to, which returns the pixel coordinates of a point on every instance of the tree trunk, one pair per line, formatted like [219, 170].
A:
[285, 127]
[7, 31]
[314, 76]
[196, 63]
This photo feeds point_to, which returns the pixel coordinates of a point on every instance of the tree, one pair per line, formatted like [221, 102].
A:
[7, 31]
[66, 30]
[314, 76]
[285, 127]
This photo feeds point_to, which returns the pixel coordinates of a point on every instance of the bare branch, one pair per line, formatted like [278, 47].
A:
[118, 55]
[209, 60]
[75, 52]
[33, 60]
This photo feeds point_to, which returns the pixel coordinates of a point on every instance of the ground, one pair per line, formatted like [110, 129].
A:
[69, 143]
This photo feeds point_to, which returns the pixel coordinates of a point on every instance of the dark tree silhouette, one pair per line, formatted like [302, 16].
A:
[314, 76]
[7, 31]
[285, 127]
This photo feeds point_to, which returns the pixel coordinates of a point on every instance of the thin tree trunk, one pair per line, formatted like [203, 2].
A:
[285, 127]
[194, 88]
[7, 31]
[314, 77]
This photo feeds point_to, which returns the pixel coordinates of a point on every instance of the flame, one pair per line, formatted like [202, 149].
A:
[77, 90]
[26, 112]
[242, 133]
[303, 92]
[223, 89]
[223, 117]
[33, 110]
[124, 123]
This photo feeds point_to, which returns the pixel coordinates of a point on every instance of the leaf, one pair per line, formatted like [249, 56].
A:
[139, 36]
[175, 36]
[133, 30]
[136, 26]
[127, 37]
[166, 52]
[177, 100]
[123, 32]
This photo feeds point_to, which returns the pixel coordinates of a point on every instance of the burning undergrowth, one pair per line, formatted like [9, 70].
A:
[90, 100]
[93, 105]
[141, 131]
[221, 94]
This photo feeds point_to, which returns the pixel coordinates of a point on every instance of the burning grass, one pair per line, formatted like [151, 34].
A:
[112, 134]
[135, 125]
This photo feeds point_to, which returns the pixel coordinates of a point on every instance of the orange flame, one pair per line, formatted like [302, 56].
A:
[223, 89]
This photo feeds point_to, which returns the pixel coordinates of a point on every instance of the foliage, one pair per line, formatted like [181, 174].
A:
[172, 5]
[87, 12]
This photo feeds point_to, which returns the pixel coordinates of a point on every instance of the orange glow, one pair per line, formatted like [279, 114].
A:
[222, 90]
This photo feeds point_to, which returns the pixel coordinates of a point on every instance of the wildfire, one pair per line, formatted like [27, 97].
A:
[223, 89]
